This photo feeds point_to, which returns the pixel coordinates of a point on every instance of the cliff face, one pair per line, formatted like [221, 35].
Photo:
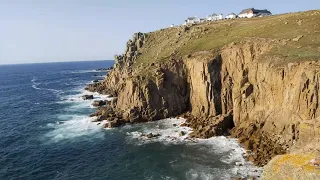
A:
[278, 101]
[267, 99]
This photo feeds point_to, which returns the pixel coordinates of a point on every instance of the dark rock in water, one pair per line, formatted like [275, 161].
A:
[95, 75]
[114, 123]
[105, 125]
[99, 103]
[87, 97]
[96, 80]
[182, 133]
[184, 125]
[150, 135]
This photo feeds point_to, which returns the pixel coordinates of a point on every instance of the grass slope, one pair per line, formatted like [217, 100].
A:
[211, 36]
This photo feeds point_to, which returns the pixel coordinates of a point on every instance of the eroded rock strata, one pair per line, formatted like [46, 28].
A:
[272, 107]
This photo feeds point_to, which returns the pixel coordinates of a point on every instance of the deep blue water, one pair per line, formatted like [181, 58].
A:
[45, 133]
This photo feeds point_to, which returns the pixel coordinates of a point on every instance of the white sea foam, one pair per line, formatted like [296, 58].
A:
[169, 133]
[84, 71]
[76, 126]
[71, 126]
[35, 85]
[207, 173]
[229, 149]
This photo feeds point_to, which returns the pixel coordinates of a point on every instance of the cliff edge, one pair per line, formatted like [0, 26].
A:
[256, 79]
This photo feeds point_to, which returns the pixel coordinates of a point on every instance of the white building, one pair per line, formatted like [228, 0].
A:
[231, 16]
[215, 17]
[203, 19]
[251, 12]
[192, 20]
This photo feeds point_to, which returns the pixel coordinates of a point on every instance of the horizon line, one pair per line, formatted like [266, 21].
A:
[54, 62]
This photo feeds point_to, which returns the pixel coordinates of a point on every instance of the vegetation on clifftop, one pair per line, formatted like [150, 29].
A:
[296, 37]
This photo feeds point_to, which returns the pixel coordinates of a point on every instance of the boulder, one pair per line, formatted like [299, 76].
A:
[132, 115]
[150, 135]
[87, 97]
[96, 81]
[99, 103]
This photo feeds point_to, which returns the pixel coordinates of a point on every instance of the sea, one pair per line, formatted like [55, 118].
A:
[46, 133]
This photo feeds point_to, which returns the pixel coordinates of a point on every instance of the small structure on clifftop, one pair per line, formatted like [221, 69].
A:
[231, 16]
[192, 20]
[215, 17]
[251, 12]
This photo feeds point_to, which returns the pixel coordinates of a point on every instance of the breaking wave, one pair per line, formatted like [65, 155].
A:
[75, 126]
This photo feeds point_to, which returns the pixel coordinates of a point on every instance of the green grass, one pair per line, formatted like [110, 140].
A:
[213, 36]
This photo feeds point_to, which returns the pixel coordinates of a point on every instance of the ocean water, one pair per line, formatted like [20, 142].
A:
[45, 133]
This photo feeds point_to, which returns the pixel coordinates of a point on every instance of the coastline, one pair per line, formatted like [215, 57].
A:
[177, 130]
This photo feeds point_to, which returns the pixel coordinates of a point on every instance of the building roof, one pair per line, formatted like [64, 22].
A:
[213, 14]
[192, 18]
[255, 11]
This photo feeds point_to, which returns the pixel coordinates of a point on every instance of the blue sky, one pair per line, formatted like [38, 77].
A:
[75, 30]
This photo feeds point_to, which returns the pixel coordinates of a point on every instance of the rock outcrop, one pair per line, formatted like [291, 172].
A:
[293, 166]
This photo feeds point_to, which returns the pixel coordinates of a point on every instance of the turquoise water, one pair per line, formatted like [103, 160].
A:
[46, 134]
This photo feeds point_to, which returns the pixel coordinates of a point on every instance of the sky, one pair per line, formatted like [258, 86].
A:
[35, 31]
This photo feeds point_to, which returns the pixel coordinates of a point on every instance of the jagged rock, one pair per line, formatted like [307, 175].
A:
[87, 97]
[115, 122]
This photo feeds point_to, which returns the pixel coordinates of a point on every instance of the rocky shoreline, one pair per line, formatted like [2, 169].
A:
[269, 104]
[207, 121]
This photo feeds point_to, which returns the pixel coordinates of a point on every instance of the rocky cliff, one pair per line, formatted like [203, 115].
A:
[252, 79]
